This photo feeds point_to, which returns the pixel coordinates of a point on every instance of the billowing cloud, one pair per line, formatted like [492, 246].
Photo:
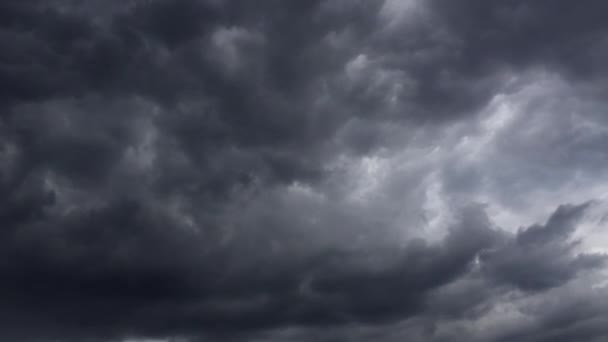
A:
[209, 170]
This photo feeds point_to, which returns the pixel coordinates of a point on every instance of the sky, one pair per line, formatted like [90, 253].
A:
[320, 170]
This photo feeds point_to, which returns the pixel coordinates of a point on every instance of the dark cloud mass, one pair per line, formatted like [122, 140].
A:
[327, 170]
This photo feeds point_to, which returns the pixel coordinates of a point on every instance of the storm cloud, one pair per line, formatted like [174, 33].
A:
[327, 170]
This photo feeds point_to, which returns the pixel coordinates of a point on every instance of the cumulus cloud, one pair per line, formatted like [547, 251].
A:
[207, 170]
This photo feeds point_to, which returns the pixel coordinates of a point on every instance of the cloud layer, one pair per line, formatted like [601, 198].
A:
[210, 170]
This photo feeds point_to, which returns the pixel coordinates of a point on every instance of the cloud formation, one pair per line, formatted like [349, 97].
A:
[210, 170]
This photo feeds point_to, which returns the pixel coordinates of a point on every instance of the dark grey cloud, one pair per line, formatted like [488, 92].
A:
[321, 170]
[126, 269]
[550, 35]
[542, 256]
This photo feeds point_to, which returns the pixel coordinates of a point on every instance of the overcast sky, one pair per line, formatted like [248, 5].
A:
[303, 170]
